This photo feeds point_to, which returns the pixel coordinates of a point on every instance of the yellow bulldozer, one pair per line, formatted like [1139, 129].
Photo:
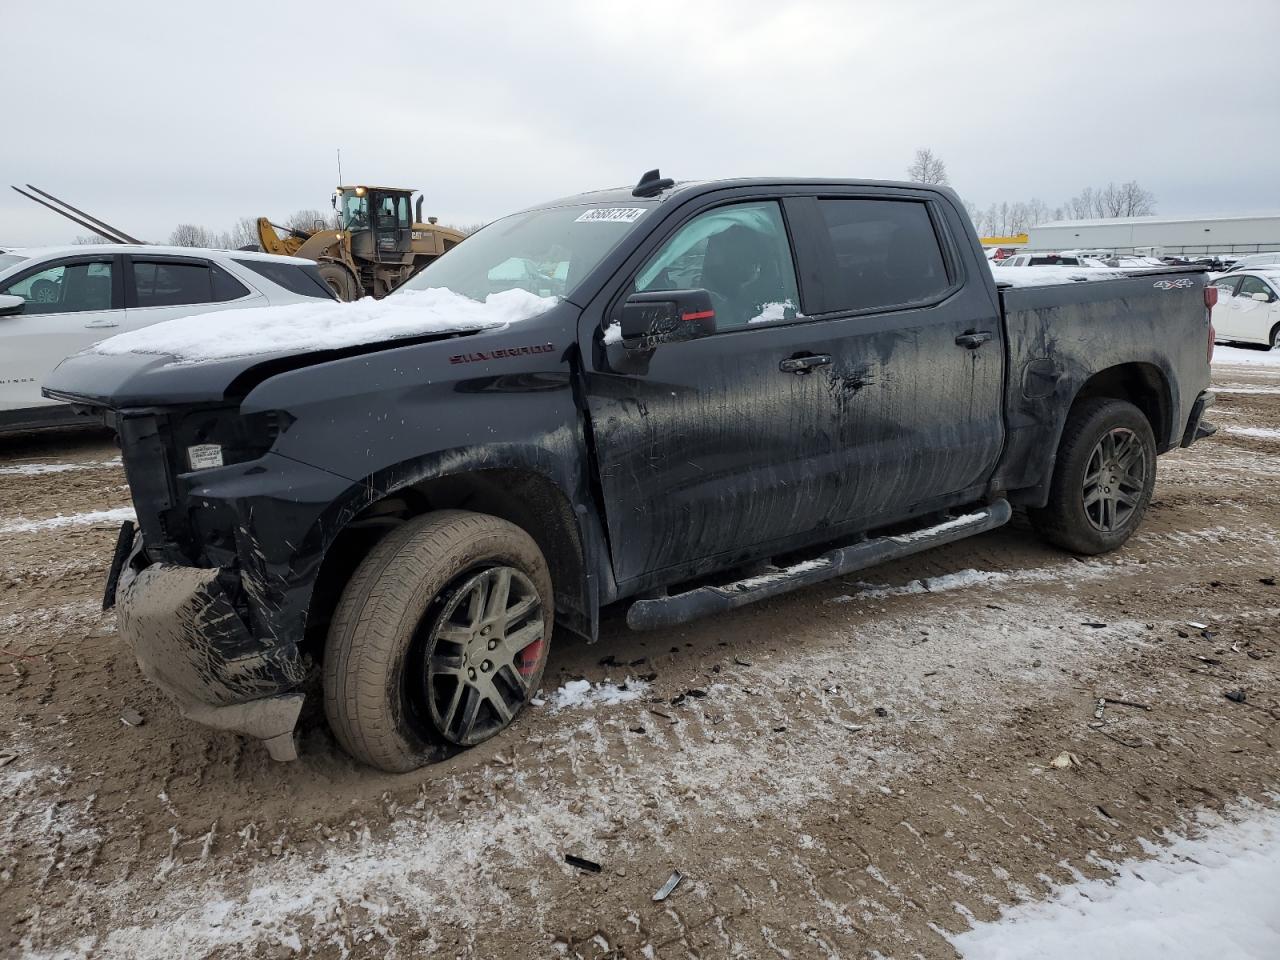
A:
[376, 247]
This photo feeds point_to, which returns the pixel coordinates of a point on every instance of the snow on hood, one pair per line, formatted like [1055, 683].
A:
[324, 324]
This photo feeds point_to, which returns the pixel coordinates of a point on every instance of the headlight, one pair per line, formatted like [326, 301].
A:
[220, 436]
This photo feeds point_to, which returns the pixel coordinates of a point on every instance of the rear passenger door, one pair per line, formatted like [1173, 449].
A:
[917, 345]
[160, 287]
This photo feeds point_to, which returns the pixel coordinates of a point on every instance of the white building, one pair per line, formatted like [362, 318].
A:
[1161, 235]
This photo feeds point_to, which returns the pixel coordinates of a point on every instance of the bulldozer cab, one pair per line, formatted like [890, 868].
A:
[379, 221]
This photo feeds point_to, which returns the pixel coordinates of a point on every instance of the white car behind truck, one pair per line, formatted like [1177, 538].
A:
[1248, 308]
[56, 301]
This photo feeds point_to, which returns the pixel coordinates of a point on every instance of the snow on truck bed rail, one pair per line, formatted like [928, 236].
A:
[324, 324]
[1048, 275]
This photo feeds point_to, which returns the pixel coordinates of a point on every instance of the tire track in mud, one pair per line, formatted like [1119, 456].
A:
[806, 823]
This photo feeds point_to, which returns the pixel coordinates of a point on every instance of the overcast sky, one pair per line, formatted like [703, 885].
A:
[152, 114]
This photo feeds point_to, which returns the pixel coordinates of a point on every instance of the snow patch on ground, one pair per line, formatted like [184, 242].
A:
[1214, 896]
[1264, 433]
[1268, 391]
[324, 324]
[582, 693]
[1240, 355]
[118, 515]
[40, 469]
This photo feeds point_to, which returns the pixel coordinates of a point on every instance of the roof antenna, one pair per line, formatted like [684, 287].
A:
[652, 184]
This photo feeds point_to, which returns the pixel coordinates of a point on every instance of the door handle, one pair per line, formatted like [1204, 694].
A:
[972, 341]
[102, 323]
[802, 365]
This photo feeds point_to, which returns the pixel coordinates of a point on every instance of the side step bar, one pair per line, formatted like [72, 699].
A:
[703, 601]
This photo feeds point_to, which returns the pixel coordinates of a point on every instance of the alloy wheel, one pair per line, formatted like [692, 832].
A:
[1114, 479]
[485, 646]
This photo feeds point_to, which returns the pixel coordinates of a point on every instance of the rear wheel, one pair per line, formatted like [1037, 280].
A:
[439, 639]
[340, 281]
[1103, 479]
[1275, 337]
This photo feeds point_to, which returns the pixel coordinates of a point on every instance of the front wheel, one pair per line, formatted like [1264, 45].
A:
[1275, 337]
[340, 281]
[1103, 479]
[439, 639]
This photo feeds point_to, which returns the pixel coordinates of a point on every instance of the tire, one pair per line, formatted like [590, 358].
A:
[1085, 513]
[1275, 338]
[340, 281]
[407, 644]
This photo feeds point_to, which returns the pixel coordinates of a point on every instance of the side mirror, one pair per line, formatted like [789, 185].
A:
[666, 316]
[11, 305]
[1262, 297]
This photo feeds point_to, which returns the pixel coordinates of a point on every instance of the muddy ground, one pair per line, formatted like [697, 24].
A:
[854, 770]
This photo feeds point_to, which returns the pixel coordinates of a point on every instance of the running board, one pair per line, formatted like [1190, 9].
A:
[703, 601]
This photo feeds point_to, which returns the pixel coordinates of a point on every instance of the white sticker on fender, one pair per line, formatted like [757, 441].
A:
[611, 215]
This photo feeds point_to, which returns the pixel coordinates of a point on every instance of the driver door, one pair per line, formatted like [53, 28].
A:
[711, 450]
[69, 304]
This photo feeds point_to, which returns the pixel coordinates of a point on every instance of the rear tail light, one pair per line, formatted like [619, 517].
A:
[1210, 301]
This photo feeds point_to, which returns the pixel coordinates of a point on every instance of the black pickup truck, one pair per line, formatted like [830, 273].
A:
[719, 392]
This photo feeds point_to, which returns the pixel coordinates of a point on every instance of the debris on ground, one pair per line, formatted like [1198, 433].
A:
[582, 863]
[132, 718]
[7, 757]
[1065, 760]
[664, 891]
[1235, 696]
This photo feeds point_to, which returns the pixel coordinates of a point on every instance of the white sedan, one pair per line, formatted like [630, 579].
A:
[1248, 307]
[56, 301]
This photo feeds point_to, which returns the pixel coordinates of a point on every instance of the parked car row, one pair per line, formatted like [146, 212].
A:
[56, 301]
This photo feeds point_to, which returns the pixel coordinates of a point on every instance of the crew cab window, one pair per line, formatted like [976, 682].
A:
[1251, 285]
[65, 288]
[740, 255]
[168, 284]
[887, 253]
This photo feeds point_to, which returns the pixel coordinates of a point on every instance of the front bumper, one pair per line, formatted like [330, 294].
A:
[1197, 427]
[191, 642]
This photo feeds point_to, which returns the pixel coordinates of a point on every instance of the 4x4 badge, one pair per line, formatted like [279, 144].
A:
[1172, 284]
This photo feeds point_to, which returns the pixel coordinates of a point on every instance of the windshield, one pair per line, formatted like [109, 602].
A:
[546, 252]
[7, 260]
[353, 211]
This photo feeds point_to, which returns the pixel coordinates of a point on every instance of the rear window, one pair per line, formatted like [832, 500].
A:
[887, 253]
[163, 283]
[302, 279]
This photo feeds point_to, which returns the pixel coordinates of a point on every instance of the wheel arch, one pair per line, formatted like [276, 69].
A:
[520, 494]
[1144, 385]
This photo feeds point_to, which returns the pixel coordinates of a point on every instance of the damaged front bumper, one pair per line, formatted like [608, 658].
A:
[190, 640]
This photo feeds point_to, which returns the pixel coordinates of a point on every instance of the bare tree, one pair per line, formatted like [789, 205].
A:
[86, 239]
[190, 235]
[243, 234]
[305, 220]
[927, 167]
[1126, 200]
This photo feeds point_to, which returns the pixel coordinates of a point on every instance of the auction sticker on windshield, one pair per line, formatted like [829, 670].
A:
[611, 215]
